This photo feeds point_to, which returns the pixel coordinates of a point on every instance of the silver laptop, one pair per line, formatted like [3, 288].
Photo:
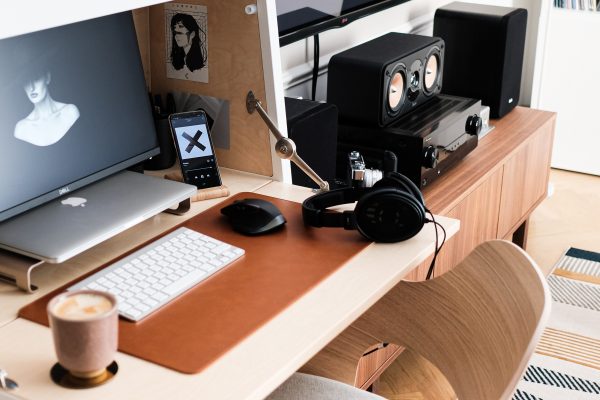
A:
[68, 225]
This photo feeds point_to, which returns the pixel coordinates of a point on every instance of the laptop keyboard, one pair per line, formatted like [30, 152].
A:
[151, 277]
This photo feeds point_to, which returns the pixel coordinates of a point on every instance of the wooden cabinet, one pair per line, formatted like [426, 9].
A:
[492, 192]
[495, 188]
[525, 181]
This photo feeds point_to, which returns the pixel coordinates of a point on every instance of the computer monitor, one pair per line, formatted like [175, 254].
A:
[74, 108]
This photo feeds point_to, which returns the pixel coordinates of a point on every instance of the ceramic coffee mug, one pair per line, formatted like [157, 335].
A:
[84, 326]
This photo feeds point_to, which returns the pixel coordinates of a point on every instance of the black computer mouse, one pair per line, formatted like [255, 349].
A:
[253, 216]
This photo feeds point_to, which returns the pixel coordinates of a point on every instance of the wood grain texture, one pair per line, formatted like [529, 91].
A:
[353, 357]
[472, 192]
[478, 215]
[340, 358]
[513, 130]
[141, 19]
[235, 67]
[525, 180]
[478, 323]
[412, 377]
[566, 219]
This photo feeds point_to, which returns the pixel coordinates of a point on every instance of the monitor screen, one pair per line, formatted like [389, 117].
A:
[74, 108]
[300, 19]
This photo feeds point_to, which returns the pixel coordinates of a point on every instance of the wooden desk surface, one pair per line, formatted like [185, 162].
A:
[250, 370]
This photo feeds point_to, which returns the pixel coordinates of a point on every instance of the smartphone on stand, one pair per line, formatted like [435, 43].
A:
[194, 148]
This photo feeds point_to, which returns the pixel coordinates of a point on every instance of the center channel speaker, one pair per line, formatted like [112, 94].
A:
[378, 81]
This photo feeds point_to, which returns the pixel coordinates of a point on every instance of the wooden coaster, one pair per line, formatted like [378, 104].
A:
[64, 378]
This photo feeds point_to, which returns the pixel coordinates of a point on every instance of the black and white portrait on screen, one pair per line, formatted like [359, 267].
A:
[186, 41]
[50, 120]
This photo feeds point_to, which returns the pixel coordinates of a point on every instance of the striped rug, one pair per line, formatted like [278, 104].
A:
[566, 363]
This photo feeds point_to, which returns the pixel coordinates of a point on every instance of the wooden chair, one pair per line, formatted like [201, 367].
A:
[478, 323]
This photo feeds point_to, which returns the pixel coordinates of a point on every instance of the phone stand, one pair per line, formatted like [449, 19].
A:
[201, 194]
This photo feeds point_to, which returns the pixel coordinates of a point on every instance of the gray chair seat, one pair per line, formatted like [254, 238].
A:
[311, 387]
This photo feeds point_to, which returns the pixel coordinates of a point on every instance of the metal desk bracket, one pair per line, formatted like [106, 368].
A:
[183, 207]
[16, 269]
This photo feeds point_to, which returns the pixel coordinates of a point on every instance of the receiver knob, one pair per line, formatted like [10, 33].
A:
[474, 123]
[430, 157]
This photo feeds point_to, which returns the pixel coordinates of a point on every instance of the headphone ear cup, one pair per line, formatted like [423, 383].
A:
[389, 215]
[397, 180]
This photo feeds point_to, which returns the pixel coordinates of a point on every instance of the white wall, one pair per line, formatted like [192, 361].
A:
[415, 16]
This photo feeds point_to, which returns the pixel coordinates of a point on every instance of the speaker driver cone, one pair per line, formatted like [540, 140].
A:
[396, 90]
[432, 68]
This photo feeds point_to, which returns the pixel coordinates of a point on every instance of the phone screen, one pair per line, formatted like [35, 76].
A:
[194, 147]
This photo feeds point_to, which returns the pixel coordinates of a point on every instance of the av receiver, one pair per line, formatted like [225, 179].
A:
[426, 142]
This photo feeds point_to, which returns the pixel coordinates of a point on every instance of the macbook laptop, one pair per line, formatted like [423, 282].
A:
[68, 225]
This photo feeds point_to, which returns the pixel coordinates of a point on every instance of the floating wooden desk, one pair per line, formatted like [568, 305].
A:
[249, 370]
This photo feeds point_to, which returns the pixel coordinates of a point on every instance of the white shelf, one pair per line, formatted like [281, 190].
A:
[17, 19]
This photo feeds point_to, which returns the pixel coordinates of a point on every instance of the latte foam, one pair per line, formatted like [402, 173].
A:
[82, 306]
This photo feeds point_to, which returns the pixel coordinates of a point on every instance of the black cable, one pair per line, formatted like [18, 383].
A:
[315, 73]
[431, 270]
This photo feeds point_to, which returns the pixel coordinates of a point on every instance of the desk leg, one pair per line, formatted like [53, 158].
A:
[519, 237]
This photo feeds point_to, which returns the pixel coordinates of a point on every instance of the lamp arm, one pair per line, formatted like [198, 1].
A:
[285, 147]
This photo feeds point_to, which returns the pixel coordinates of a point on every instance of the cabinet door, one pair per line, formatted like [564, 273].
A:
[525, 180]
[478, 215]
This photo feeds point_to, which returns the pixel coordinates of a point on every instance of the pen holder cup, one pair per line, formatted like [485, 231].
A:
[166, 158]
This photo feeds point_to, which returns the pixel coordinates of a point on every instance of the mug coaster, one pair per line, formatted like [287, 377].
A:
[63, 377]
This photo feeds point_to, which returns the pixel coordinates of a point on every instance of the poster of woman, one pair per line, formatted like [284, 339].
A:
[186, 27]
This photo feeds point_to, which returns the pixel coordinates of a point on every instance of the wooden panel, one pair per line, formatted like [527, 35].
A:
[353, 357]
[412, 377]
[525, 180]
[339, 359]
[478, 215]
[235, 67]
[141, 19]
[372, 365]
[478, 323]
[492, 151]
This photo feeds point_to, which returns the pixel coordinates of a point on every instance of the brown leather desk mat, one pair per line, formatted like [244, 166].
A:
[202, 324]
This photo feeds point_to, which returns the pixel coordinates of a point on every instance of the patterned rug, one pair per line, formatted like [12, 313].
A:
[566, 363]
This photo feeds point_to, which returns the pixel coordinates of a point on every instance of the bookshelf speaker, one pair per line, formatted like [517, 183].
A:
[313, 127]
[376, 82]
[484, 52]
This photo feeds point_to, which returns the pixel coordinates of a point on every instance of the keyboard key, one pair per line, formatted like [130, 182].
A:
[184, 282]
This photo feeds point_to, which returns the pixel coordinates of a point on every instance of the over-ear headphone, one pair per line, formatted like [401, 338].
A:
[391, 211]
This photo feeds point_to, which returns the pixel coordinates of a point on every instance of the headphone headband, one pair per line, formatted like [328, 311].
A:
[391, 211]
[314, 211]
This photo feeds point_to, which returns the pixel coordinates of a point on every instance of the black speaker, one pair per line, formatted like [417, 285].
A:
[166, 158]
[313, 127]
[484, 52]
[376, 82]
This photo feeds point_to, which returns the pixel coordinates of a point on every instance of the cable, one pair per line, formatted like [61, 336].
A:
[431, 270]
[315, 73]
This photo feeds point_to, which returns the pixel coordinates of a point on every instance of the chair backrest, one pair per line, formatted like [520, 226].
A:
[478, 323]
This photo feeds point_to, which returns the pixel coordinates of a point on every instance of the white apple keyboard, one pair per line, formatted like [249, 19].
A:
[151, 277]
